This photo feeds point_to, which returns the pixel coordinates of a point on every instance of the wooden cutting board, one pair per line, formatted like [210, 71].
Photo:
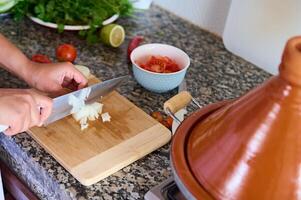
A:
[103, 148]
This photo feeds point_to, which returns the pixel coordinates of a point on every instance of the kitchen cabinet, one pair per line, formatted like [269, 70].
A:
[14, 188]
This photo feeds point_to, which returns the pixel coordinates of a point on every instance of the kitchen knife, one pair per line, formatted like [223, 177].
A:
[61, 107]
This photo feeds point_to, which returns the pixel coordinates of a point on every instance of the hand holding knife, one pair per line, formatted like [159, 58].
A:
[61, 107]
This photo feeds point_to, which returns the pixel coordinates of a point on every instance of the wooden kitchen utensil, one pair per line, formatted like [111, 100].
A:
[248, 148]
[103, 148]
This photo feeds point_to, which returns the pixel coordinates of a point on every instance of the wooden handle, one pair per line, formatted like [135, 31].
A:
[178, 102]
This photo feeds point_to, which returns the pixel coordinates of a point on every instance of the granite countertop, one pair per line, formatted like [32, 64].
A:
[215, 74]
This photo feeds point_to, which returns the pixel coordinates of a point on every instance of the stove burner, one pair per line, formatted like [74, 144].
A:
[167, 190]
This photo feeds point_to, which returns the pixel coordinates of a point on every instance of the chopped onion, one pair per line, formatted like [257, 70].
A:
[88, 112]
[82, 112]
[105, 117]
[76, 103]
[84, 94]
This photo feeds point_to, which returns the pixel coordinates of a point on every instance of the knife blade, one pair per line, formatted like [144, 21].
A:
[61, 107]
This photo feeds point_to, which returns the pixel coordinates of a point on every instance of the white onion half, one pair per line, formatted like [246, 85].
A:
[84, 70]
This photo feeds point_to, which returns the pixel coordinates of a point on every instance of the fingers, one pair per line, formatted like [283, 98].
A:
[17, 112]
[70, 84]
[79, 78]
[43, 106]
[73, 79]
[31, 106]
[22, 109]
[53, 77]
[12, 131]
[45, 111]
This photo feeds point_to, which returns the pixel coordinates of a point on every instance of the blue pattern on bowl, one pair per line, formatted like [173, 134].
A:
[158, 82]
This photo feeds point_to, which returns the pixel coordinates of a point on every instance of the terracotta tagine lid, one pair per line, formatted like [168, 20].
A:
[249, 148]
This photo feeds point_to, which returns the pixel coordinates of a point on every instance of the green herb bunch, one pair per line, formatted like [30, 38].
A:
[73, 12]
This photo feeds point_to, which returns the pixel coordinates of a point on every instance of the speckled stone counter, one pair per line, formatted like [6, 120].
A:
[215, 74]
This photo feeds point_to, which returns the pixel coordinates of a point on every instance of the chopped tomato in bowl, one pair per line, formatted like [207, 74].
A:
[159, 67]
[160, 64]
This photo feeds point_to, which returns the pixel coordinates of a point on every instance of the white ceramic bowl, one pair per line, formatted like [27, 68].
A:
[72, 27]
[159, 82]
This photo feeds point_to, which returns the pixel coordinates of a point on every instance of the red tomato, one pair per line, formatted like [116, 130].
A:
[133, 44]
[157, 115]
[160, 64]
[66, 53]
[40, 58]
[169, 121]
[157, 68]
[165, 124]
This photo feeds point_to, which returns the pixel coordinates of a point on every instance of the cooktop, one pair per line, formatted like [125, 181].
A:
[167, 190]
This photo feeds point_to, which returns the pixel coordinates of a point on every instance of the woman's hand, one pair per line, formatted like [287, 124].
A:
[52, 78]
[21, 109]
[49, 78]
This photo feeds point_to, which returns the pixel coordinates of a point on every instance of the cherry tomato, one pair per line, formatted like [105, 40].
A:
[66, 53]
[157, 115]
[169, 121]
[133, 44]
[40, 58]
[165, 123]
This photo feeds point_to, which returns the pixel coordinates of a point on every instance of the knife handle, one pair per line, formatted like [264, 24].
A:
[177, 102]
[3, 128]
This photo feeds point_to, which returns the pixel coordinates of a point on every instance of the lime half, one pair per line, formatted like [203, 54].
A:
[5, 6]
[2, 2]
[112, 34]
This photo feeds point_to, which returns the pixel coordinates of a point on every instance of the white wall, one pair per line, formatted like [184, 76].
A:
[208, 14]
[257, 30]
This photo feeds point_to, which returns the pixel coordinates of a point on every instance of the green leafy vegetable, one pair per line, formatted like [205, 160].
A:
[73, 12]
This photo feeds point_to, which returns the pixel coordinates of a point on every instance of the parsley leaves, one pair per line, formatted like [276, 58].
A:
[73, 12]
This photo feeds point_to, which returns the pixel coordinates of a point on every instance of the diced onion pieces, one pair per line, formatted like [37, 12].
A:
[82, 112]
[88, 112]
[105, 117]
[76, 103]
[85, 93]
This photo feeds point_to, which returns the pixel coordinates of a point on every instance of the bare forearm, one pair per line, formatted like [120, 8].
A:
[12, 59]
